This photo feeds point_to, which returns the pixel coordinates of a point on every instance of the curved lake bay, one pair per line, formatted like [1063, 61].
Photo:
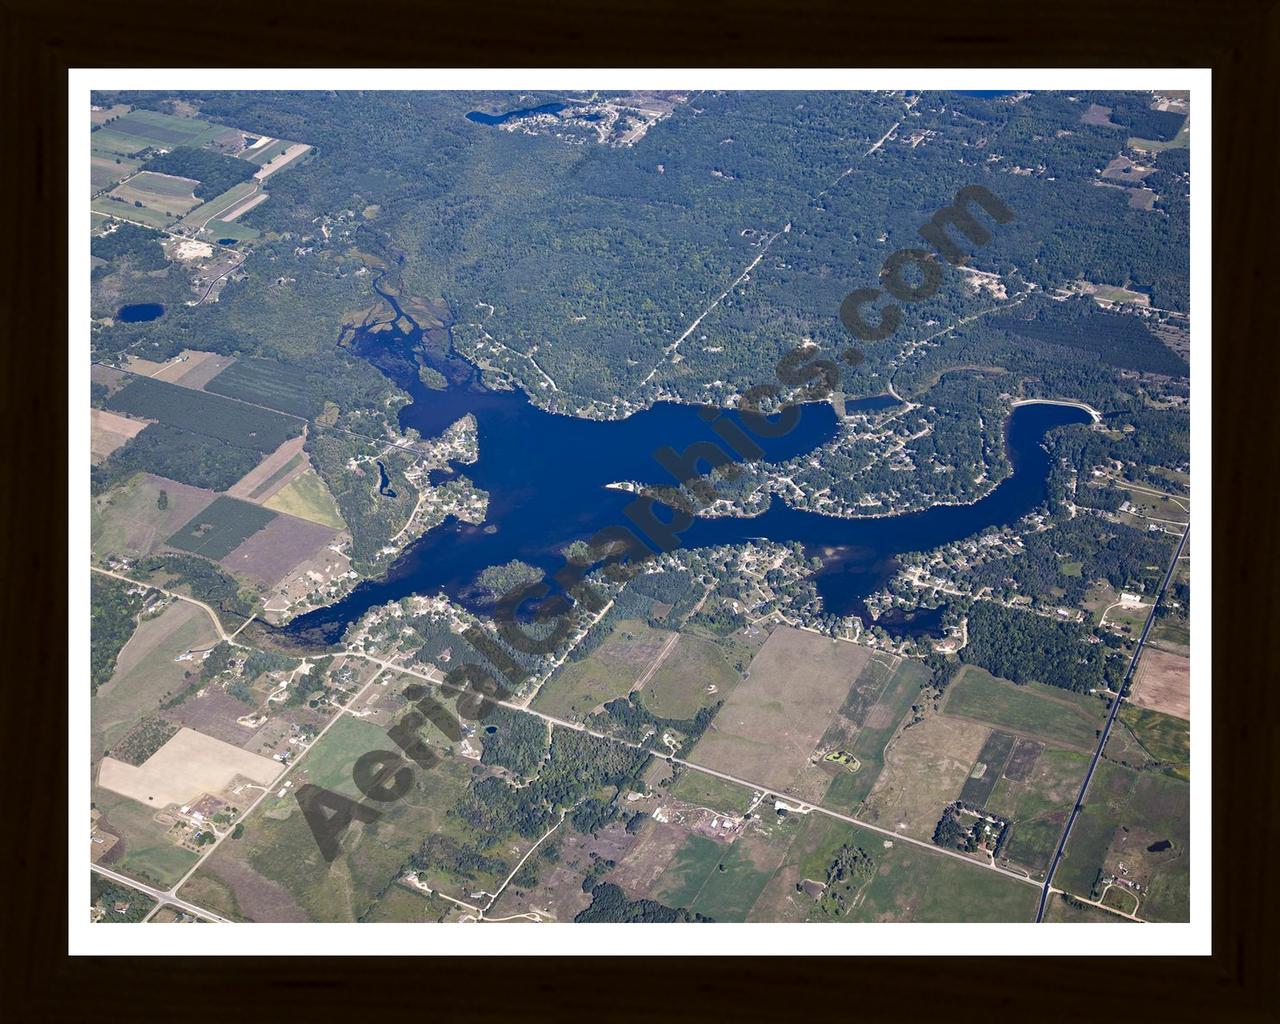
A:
[547, 476]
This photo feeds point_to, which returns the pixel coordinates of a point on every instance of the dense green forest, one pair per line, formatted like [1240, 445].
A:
[113, 613]
[215, 171]
[574, 247]
[1025, 647]
[609, 904]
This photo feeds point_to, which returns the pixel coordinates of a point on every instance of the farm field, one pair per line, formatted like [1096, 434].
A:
[129, 519]
[1035, 801]
[1163, 683]
[143, 129]
[275, 868]
[188, 765]
[902, 679]
[218, 205]
[307, 497]
[1139, 820]
[271, 473]
[144, 851]
[218, 530]
[192, 368]
[609, 672]
[774, 718]
[146, 671]
[163, 193]
[265, 382]
[1148, 739]
[269, 554]
[1045, 712]
[107, 168]
[230, 232]
[925, 768]
[144, 215]
[264, 151]
[279, 161]
[693, 675]
[723, 883]
[110, 430]
[244, 426]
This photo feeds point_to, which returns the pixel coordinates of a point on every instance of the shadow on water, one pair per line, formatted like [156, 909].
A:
[547, 476]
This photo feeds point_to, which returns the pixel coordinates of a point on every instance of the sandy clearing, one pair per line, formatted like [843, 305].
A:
[287, 157]
[109, 430]
[193, 368]
[244, 207]
[1163, 683]
[186, 767]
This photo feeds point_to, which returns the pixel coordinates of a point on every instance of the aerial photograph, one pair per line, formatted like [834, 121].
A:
[759, 506]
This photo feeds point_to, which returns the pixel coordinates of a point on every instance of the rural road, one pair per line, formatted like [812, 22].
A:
[161, 895]
[1106, 730]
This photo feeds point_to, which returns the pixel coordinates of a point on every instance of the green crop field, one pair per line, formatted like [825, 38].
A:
[207, 212]
[276, 385]
[265, 154]
[147, 855]
[1140, 820]
[221, 528]
[244, 426]
[1046, 712]
[705, 790]
[275, 871]
[231, 230]
[678, 689]
[144, 129]
[1037, 806]
[902, 687]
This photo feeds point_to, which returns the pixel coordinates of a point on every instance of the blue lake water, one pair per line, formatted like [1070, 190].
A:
[480, 117]
[547, 478]
[140, 312]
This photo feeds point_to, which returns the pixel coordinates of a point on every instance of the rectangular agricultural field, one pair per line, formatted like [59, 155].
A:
[110, 430]
[266, 152]
[281, 386]
[925, 768]
[609, 672]
[693, 675]
[773, 720]
[902, 679]
[271, 473]
[242, 425]
[219, 205]
[164, 193]
[271, 553]
[222, 527]
[1163, 683]
[307, 497]
[144, 129]
[148, 671]
[135, 517]
[106, 168]
[192, 368]
[1046, 712]
[127, 211]
[988, 768]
